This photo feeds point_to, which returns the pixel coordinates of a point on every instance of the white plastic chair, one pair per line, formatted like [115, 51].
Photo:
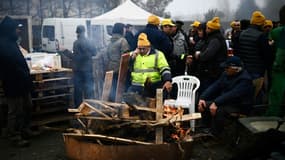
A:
[186, 93]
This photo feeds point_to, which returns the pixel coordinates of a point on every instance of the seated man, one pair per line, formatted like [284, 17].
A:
[231, 93]
[150, 69]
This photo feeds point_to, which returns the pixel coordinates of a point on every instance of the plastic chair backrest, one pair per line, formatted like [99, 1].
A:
[187, 87]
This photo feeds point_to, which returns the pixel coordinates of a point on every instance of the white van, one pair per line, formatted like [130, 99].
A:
[59, 33]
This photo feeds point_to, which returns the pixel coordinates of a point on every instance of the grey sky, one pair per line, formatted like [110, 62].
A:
[184, 8]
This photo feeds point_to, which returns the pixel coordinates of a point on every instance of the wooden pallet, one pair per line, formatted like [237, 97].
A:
[52, 95]
[39, 75]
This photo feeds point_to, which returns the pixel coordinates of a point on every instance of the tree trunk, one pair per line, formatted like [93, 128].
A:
[11, 11]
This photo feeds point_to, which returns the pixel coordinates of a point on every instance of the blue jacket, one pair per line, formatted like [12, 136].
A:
[158, 39]
[227, 90]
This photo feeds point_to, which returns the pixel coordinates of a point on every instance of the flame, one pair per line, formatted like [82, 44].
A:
[180, 134]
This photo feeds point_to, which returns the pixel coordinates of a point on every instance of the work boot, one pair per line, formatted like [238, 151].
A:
[28, 133]
[18, 141]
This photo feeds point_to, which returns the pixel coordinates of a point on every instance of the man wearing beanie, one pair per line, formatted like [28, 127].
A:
[115, 49]
[254, 49]
[150, 69]
[16, 83]
[157, 38]
[267, 27]
[83, 50]
[211, 55]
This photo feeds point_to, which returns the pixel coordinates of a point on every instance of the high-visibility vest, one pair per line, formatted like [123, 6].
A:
[151, 66]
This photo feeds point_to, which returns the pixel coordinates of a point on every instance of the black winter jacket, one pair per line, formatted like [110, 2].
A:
[14, 71]
[212, 54]
[83, 52]
[158, 39]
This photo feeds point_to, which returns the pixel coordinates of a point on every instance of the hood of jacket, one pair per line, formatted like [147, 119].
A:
[115, 37]
[8, 28]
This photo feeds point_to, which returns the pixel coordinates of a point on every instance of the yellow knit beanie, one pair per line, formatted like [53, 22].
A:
[268, 23]
[195, 24]
[214, 23]
[152, 19]
[143, 41]
[257, 18]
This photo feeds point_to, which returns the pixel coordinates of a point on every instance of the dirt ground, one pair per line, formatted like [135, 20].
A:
[49, 145]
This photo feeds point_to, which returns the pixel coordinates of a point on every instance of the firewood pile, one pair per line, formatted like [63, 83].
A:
[132, 124]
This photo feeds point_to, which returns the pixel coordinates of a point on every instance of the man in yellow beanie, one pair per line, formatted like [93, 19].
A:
[254, 49]
[152, 19]
[150, 69]
[158, 39]
[211, 55]
[257, 18]
[193, 36]
[267, 27]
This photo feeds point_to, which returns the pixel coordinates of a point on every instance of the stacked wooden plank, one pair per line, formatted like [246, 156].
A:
[52, 95]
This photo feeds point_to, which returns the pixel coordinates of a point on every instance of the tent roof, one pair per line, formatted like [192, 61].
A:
[127, 13]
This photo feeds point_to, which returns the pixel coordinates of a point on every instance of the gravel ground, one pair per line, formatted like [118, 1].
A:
[47, 146]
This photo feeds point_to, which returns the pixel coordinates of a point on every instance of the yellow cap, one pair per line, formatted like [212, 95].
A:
[257, 18]
[232, 24]
[167, 21]
[152, 19]
[214, 23]
[268, 23]
[143, 41]
[195, 24]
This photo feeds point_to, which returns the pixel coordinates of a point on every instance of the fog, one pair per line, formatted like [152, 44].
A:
[195, 9]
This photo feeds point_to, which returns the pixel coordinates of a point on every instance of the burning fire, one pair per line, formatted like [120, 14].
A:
[180, 134]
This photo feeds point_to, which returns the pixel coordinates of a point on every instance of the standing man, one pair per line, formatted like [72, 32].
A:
[17, 83]
[212, 54]
[130, 37]
[19, 40]
[157, 38]
[254, 51]
[253, 46]
[82, 67]
[117, 46]
[276, 95]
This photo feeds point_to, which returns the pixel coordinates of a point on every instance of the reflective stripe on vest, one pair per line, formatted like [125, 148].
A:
[151, 71]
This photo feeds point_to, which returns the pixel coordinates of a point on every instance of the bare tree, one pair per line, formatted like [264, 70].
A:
[271, 9]
[66, 7]
[154, 6]
[245, 9]
[212, 13]
[11, 7]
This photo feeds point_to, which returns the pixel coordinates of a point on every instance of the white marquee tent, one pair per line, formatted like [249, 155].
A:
[127, 13]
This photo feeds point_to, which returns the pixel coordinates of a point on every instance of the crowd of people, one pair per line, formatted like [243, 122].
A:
[162, 50]
[234, 69]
